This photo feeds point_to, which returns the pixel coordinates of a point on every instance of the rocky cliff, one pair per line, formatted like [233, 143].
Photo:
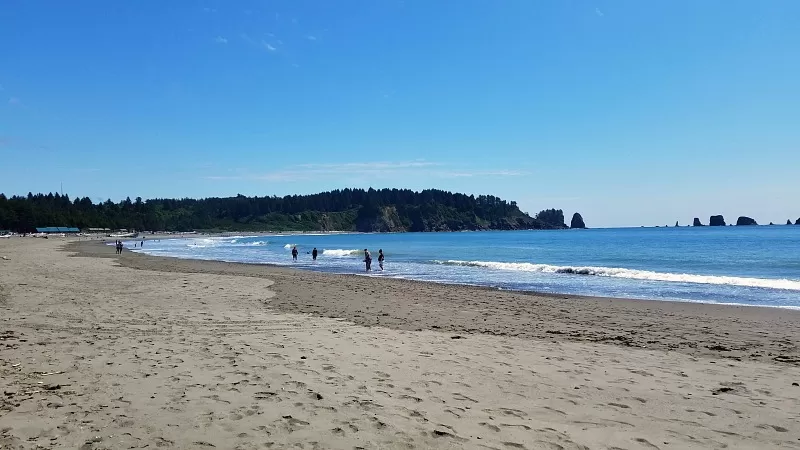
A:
[697, 222]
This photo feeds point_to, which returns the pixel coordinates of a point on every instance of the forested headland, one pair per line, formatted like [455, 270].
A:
[339, 210]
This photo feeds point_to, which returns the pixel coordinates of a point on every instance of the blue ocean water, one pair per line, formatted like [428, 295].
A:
[740, 265]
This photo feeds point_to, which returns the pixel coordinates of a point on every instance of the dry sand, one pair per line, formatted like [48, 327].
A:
[132, 352]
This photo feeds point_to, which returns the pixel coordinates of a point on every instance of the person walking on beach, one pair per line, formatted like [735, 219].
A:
[314, 254]
[380, 259]
[294, 253]
[368, 260]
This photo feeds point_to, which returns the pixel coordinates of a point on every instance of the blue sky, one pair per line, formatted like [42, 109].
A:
[631, 112]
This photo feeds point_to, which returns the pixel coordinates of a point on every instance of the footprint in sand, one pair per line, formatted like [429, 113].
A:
[494, 428]
[463, 397]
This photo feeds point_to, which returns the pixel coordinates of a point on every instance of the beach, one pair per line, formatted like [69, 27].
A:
[133, 351]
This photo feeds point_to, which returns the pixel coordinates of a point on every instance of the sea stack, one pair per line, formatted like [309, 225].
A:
[697, 222]
[798, 222]
[577, 221]
[716, 221]
[745, 221]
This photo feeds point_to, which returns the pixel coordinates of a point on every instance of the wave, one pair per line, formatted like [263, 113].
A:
[288, 246]
[340, 253]
[792, 285]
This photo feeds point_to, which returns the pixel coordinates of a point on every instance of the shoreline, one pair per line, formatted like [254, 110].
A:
[482, 286]
[105, 351]
[526, 314]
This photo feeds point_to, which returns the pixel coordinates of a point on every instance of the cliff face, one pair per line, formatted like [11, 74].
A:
[716, 221]
[382, 220]
[744, 220]
[577, 221]
[697, 222]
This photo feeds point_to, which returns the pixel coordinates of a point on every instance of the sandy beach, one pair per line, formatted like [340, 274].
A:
[105, 351]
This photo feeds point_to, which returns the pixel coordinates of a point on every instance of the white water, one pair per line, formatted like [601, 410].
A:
[631, 274]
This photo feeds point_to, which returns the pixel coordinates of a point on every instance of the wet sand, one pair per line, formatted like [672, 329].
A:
[99, 351]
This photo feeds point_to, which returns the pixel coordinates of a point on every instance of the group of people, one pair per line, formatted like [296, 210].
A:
[121, 246]
[367, 257]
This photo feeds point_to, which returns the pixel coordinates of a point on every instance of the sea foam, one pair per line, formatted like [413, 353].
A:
[340, 253]
[792, 285]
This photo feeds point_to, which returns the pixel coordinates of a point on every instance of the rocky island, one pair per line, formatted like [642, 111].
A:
[745, 221]
[716, 221]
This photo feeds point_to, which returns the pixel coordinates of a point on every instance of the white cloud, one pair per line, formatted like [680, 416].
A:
[598, 12]
[268, 46]
[366, 169]
[311, 38]
[221, 40]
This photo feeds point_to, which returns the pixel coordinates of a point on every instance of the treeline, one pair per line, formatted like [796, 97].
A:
[339, 210]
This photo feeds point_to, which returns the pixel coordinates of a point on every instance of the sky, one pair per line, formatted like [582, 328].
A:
[630, 112]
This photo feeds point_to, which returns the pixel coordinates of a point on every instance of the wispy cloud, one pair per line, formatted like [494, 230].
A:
[221, 40]
[248, 39]
[598, 12]
[209, 10]
[480, 173]
[268, 46]
[311, 38]
[348, 171]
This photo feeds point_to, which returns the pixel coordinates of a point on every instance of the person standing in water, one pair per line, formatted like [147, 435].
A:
[380, 258]
[314, 254]
[294, 253]
[368, 260]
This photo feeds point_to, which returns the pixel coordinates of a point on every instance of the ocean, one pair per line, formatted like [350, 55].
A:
[758, 266]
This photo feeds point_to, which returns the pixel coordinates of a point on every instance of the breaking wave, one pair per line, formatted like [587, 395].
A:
[792, 285]
[340, 253]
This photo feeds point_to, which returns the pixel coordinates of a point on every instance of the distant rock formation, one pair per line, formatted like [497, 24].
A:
[577, 221]
[771, 223]
[798, 222]
[744, 220]
[788, 221]
[716, 221]
[676, 223]
[697, 222]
